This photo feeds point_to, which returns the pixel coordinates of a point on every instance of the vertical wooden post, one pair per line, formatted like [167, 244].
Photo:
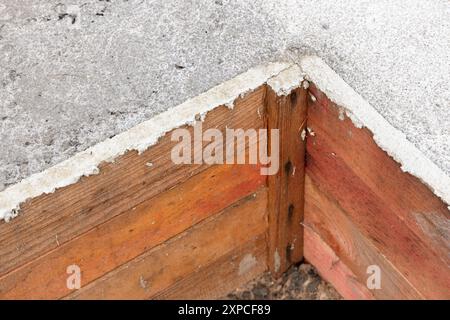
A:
[286, 188]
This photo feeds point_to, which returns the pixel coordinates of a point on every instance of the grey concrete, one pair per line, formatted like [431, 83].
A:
[72, 76]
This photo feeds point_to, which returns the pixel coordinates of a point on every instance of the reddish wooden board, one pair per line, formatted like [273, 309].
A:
[347, 246]
[390, 209]
[125, 237]
[221, 277]
[49, 221]
[185, 254]
[332, 269]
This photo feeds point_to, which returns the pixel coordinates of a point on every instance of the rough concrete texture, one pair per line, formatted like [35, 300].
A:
[73, 73]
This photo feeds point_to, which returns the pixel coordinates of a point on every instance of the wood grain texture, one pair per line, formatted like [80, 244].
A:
[349, 247]
[405, 195]
[331, 268]
[167, 264]
[286, 188]
[49, 221]
[379, 200]
[224, 275]
[125, 237]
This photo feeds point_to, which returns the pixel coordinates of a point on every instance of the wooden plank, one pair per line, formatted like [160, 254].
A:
[224, 275]
[405, 195]
[331, 268]
[379, 199]
[377, 222]
[286, 188]
[348, 247]
[125, 237]
[51, 220]
[163, 266]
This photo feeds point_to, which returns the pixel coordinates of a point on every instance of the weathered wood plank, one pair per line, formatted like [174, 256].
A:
[324, 217]
[405, 195]
[163, 266]
[331, 268]
[286, 188]
[125, 237]
[51, 220]
[378, 198]
[229, 272]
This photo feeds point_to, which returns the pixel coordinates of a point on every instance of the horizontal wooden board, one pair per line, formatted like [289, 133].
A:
[126, 236]
[202, 245]
[379, 200]
[332, 269]
[405, 195]
[49, 221]
[349, 246]
[224, 275]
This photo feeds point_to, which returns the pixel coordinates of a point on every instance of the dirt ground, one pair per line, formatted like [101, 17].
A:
[298, 283]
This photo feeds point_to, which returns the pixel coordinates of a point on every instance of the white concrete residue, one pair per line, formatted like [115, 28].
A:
[391, 140]
[303, 135]
[137, 138]
[287, 81]
[282, 78]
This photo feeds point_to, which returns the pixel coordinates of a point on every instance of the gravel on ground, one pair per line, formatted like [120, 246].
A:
[300, 282]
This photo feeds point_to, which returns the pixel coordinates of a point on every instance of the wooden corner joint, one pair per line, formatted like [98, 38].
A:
[287, 113]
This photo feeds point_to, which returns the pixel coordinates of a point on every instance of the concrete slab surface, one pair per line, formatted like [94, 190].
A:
[73, 73]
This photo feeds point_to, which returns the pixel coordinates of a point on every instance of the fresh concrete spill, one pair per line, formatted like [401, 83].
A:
[282, 78]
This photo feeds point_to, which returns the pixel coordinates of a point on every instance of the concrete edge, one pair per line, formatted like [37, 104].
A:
[139, 138]
[282, 78]
[388, 138]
